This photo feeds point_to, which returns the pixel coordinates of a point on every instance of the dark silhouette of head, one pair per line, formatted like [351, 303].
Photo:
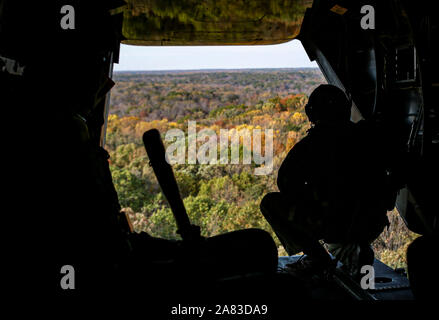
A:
[328, 103]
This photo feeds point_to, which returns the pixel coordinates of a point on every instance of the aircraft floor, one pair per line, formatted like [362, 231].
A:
[389, 284]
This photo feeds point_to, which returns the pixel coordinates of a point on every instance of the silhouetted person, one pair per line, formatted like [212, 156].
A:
[331, 188]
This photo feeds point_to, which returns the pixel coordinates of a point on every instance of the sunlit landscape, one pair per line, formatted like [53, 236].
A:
[219, 198]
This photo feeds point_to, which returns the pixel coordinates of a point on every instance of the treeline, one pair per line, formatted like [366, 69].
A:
[174, 95]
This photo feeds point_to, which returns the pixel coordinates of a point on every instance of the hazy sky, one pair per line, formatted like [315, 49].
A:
[286, 55]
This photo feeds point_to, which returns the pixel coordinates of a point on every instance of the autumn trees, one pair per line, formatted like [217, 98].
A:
[220, 197]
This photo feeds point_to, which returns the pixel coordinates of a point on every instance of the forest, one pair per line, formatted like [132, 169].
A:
[218, 197]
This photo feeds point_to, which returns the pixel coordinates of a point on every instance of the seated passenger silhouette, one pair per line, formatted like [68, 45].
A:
[332, 188]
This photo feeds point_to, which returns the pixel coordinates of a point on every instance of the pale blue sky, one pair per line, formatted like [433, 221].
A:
[286, 55]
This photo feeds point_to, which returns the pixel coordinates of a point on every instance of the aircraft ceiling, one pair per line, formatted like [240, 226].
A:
[212, 22]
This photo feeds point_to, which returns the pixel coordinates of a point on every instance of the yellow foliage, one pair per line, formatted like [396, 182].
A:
[298, 117]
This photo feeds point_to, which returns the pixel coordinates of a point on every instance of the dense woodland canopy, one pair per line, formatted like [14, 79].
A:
[174, 95]
[219, 198]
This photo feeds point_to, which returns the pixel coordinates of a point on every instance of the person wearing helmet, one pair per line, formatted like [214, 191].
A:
[329, 189]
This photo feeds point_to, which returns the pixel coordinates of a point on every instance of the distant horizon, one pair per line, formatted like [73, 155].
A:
[213, 69]
[155, 58]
